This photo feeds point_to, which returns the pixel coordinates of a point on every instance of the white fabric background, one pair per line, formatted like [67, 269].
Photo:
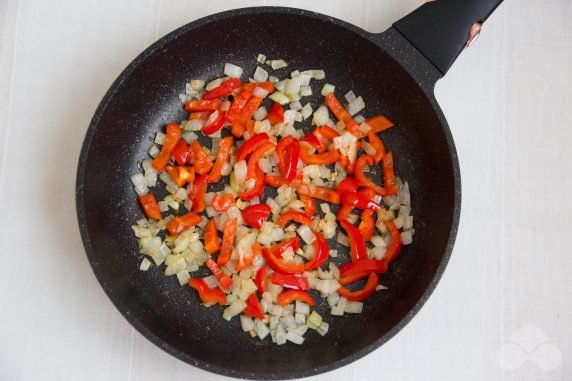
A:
[508, 101]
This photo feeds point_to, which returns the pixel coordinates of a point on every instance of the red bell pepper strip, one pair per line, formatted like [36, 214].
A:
[199, 115]
[327, 132]
[328, 157]
[288, 152]
[223, 90]
[260, 279]
[277, 264]
[313, 139]
[197, 191]
[222, 157]
[227, 242]
[224, 281]
[293, 243]
[150, 206]
[237, 129]
[340, 113]
[290, 281]
[320, 193]
[245, 261]
[222, 203]
[376, 143]
[257, 155]
[206, 294]
[179, 224]
[214, 126]
[276, 181]
[257, 189]
[181, 175]
[249, 126]
[202, 105]
[351, 278]
[363, 266]
[251, 145]
[364, 293]
[322, 253]
[289, 296]
[358, 249]
[359, 201]
[361, 163]
[253, 307]
[348, 185]
[256, 215]
[395, 245]
[250, 86]
[180, 152]
[296, 216]
[368, 193]
[249, 109]
[388, 174]
[199, 159]
[344, 212]
[173, 134]
[237, 105]
[211, 238]
[367, 224]
[379, 123]
[309, 205]
[275, 114]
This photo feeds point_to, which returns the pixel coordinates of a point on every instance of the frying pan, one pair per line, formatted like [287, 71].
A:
[394, 71]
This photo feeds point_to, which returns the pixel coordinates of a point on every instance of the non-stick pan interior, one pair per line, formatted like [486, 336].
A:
[147, 98]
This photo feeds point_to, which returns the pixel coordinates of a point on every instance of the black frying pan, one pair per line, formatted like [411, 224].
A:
[394, 71]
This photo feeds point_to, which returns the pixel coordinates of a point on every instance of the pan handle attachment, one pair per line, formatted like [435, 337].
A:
[441, 29]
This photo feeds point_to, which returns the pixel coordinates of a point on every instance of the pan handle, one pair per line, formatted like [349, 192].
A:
[440, 29]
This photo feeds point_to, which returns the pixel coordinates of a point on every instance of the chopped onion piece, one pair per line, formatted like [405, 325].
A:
[273, 79]
[378, 241]
[197, 84]
[246, 323]
[261, 58]
[153, 151]
[353, 307]
[260, 114]
[292, 87]
[314, 320]
[342, 239]
[296, 105]
[240, 169]
[350, 96]
[328, 88]
[260, 75]
[359, 118]
[294, 338]
[234, 309]
[356, 106]
[321, 116]
[232, 71]
[279, 97]
[306, 234]
[159, 137]
[306, 111]
[305, 91]
[323, 328]
[213, 84]
[277, 64]
[145, 264]
[183, 277]
[318, 74]
[289, 117]
[406, 237]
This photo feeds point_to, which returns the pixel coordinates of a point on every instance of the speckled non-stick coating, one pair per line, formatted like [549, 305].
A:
[145, 97]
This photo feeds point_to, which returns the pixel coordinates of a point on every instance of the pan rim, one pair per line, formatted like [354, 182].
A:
[149, 334]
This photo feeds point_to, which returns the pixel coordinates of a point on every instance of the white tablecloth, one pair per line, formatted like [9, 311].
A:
[503, 308]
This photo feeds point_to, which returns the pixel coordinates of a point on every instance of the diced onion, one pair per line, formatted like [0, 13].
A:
[159, 138]
[234, 309]
[350, 96]
[296, 106]
[261, 58]
[232, 71]
[292, 87]
[406, 237]
[145, 264]
[306, 234]
[240, 169]
[356, 106]
[260, 75]
[277, 64]
[260, 114]
[342, 239]
[279, 97]
[260, 92]
[321, 116]
[306, 111]
[213, 84]
[328, 88]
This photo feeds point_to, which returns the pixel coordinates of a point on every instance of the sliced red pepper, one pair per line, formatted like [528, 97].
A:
[328, 157]
[178, 224]
[379, 123]
[322, 253]
[289, 296]
[227, 242]
[296, 216]
[245, 261]
[320, 193]
[361, 163]
[358, 249]
[364, 293]
[257, 155]
[363, 266]
[341, 113]
[277, 264]
[249, 126]
[181, 175]
[222, 203]
[251, 145]
[348, 185]
[377, 144]
[150, 206]
[368, 193]
[237, 129]
[312, 139]
[206, 294]
[214, 126]
[288, 151]
[257, 189]
[180, 152]
[344, 212]
[293, 243]
[351, 278]
[276, 181]
[290, 281]
[249, 109]
[359, 201]
[199, 115]
[173, 134]
[256, 215]
[327, 132]
[222, 157]
[197, 191]
[388, 174]
[251, 86]
[367, 224]
[260, 279]
[309, 205]
[211, 238]
[225, 88]
[275, 114]
[237, 105]
[200, 160]
[253, 307]
[224, 281]
[202, 105]
[395, 245]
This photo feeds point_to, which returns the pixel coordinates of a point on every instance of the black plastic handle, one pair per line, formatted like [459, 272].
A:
[440, 29]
